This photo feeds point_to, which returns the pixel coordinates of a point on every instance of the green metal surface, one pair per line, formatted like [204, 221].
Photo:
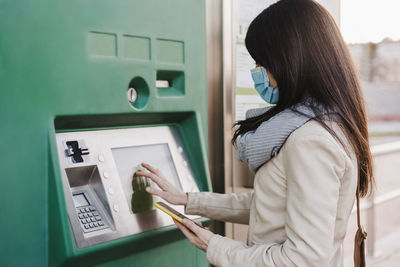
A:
[66, 65]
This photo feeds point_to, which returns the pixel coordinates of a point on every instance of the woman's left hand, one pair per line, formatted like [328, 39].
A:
[197, 235]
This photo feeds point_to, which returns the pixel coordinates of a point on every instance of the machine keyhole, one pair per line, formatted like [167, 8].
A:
[131, 95]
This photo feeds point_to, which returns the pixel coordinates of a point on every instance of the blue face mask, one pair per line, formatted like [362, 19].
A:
[261, 83]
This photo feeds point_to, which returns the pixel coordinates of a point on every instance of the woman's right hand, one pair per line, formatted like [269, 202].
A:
[169, 192]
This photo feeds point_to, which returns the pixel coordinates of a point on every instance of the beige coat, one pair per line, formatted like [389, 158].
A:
[298, 211]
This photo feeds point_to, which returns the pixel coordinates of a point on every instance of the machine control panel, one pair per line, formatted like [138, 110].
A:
[105, 199]
[89, 217]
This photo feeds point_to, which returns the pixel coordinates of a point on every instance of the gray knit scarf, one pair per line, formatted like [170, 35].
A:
[259, 146]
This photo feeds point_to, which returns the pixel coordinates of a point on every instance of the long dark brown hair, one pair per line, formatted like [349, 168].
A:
[299, 43]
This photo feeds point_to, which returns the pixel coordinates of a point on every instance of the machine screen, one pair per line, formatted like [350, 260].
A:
[80, 200]
[128, 158]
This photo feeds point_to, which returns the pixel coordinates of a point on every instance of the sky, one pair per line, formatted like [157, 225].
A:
[365, 21]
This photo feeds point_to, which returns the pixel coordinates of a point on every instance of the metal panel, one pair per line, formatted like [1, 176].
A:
[229, 65]
[103, 146]
[215, 93]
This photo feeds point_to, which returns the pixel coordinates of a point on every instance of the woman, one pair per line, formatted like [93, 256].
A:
[310, 151]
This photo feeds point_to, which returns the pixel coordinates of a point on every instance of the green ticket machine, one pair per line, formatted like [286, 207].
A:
[90, 89]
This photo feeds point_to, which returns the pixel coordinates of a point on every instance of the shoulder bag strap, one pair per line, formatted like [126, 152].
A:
[359, 240]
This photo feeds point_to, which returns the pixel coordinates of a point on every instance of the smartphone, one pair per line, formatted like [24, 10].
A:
[170, 211]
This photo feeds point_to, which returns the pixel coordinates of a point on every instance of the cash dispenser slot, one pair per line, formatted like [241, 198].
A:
[89, 198]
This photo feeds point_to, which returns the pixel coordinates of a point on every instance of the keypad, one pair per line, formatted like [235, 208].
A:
[90, 219]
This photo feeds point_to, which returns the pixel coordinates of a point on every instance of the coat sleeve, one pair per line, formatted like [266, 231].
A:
[223, 207]
[313, 165]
